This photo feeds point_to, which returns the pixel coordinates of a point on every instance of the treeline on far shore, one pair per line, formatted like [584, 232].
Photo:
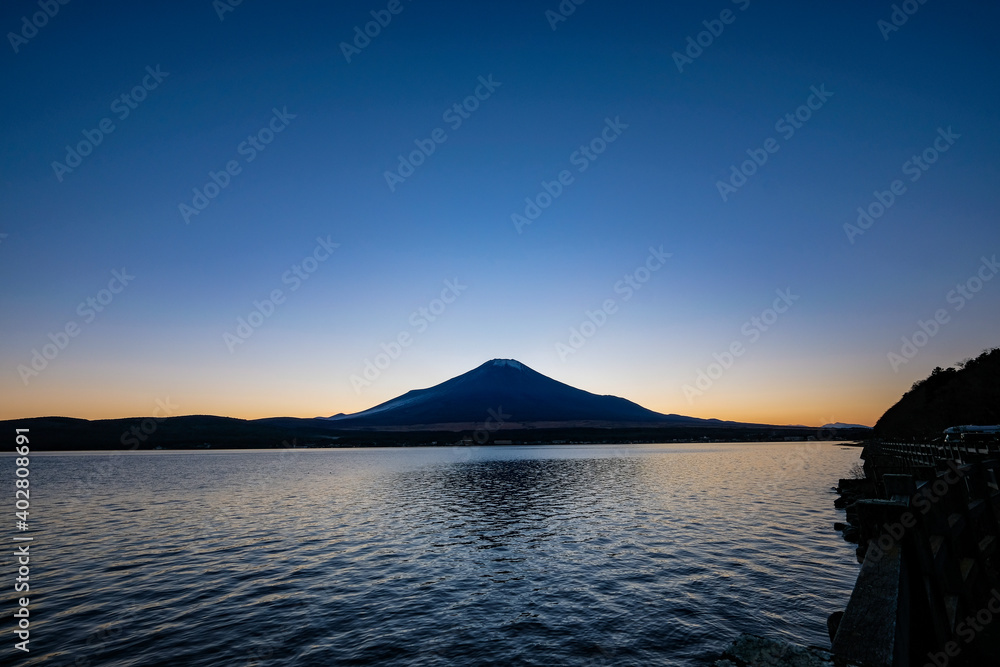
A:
[208, 432]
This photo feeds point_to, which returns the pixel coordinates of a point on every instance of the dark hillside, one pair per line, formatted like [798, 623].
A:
[968, 394]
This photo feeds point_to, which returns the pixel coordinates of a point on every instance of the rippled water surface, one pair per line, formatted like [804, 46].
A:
[559, 555]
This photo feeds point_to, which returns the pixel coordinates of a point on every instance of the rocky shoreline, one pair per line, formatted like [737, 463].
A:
[850, 491]
[753, 651]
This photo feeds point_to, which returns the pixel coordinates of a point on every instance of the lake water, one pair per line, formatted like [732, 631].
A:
[557, 555]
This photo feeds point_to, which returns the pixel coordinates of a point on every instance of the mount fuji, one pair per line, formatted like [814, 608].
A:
[502, 394]
[508, 388]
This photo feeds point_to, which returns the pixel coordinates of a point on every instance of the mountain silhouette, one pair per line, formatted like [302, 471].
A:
[969, 394]
[500, 394]
[507, 388]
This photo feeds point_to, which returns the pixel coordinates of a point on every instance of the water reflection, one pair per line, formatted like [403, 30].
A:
[549, 555]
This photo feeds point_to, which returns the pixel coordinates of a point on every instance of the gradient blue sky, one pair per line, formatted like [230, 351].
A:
[825, 359]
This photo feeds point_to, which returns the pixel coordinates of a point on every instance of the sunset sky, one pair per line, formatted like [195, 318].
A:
[688, 167]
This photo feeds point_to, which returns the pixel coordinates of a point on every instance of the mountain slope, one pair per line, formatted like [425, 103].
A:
[510, 388]
[969, 394]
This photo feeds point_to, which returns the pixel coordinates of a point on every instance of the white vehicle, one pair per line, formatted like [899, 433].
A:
[970, 433]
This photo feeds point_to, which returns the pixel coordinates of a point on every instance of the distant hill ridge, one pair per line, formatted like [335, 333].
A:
[968, 394]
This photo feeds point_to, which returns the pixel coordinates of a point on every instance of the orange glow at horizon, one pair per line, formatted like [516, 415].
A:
[805, 404]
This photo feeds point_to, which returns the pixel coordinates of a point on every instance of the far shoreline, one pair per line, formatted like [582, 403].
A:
[202, 432]
[211, 450]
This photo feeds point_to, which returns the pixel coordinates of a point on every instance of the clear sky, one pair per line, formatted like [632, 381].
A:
[168, 168]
